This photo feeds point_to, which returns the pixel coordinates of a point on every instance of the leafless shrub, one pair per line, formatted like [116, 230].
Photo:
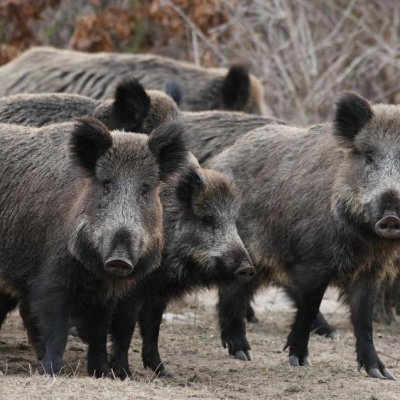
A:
[304, 51]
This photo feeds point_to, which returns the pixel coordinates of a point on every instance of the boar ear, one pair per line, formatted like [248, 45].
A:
[90, 139]
[131, 105]
[190, 184]
[236, 88]
[168, 144]
[353, 112]
[175, 91]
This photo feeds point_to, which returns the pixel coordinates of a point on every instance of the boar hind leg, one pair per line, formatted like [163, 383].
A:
[320, 325]
[361, 296]
[150, 317]
[380, 314]
[390, 302]
[121, 330]
[233, 304]
[7, 304]
[251, 315]
[308, 300]
[396, 295]
[50, 309]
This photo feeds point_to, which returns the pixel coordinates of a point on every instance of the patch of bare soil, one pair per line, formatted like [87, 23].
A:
[190, 346]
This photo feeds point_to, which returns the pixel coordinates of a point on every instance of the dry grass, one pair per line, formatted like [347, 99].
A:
[191, 348]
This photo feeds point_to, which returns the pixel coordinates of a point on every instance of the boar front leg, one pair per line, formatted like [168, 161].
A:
[361, 296]
[150, 317]
[233, 304]
[95, 325]
[49, 304]
[308, 300]
[121, 329]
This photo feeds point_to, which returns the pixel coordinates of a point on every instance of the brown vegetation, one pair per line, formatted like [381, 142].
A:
[305, 52]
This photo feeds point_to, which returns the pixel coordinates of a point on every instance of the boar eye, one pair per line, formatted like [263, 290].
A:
[144, 190]
[106, 186]
[209, 221]
[369, 159]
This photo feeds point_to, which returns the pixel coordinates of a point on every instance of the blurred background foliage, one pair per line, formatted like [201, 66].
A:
[304, 51]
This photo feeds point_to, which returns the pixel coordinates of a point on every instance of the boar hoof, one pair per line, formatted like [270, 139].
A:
[334, 335]
[122, 373]
[244, 355]
[164, 373]
[389, 375]
[50, 368]
[375, 373]
[73, 332]
[101, 371]
[294, 361]
[253, 319]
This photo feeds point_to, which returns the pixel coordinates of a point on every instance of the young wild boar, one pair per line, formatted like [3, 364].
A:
[202, 248]
[320, 206]
[46, 69]
[80, 222]
[132, 109]
[208, 134]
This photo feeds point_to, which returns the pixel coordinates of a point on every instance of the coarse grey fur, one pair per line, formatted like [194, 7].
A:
[75, 200]
[311, 203]
[210, 132]
[47, 69]
[141, 111]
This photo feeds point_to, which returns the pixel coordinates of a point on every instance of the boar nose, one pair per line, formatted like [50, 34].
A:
[118, 266]
[388, 227]
[245, 273]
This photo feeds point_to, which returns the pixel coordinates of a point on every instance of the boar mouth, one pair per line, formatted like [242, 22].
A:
[117, 266]
[388, 227]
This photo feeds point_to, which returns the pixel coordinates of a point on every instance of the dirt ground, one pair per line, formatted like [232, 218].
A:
[190, 346]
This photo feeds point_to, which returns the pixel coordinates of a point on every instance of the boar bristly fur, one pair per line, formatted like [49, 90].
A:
[202, 249]
[132, 109]
[46, 69]
[80, 222]
[320, 206]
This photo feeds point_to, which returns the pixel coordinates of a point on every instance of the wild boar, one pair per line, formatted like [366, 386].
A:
[320, 206]
[132, 109]
[80, 222]
[46, 69]
[202, 249]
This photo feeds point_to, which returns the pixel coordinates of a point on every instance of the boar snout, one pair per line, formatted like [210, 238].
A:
[388, 227]
[118, 266]
[124, 252]
[245, 273]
